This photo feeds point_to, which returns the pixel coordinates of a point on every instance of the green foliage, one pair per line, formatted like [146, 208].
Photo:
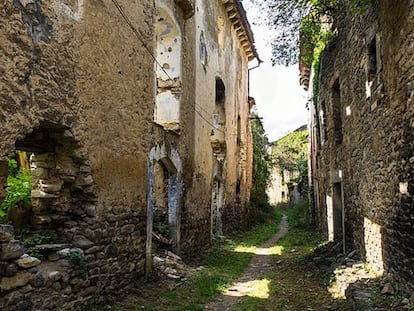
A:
[19, 187]
[77, 259]
[298, 25]
[30, 241]
[261, 166]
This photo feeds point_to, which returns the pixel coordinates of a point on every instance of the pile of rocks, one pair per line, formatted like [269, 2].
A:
[170, 265]
[351, 279]
[16, 267]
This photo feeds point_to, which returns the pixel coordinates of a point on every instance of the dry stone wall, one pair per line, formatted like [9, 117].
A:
[367, 71]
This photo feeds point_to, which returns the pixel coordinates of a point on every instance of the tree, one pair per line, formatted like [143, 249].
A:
[261, 165]
[298, 25]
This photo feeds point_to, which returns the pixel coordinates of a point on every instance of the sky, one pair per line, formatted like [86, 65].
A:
[280, 100]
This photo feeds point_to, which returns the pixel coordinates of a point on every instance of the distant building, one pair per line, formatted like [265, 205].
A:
[283, 184]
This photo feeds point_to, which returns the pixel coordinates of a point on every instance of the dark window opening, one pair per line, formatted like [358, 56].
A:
[337, 113]
[372, 60]
[220, 91]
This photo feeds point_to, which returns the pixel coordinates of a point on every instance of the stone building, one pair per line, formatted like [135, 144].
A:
[134, 116]
[362, 137]
[283, 184]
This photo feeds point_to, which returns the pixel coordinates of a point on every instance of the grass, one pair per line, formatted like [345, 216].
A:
[293, 283]
[226, 262]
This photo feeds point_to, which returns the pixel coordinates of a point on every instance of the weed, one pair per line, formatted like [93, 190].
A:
[77, 259]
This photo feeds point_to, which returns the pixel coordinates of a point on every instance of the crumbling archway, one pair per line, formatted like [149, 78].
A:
[62, 187]
[164, 200]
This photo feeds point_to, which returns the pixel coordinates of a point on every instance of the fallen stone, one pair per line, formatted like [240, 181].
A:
[26, 262]
[11, 250]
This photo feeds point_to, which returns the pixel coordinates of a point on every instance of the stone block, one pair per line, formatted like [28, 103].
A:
[40, 173]
[50, 187]
[39, 220]
[7, 269]
[26, 262]
[19, 280]
[6, 233]
[84, 180]
[90, 210]
[11, 250]
[36, 193]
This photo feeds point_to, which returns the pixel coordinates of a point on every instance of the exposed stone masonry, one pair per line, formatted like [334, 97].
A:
[370, 154]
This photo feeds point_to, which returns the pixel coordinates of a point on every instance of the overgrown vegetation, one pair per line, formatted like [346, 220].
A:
[299, 25]
[290, 153]
[19, 187]
[261, 166]
[32, 240]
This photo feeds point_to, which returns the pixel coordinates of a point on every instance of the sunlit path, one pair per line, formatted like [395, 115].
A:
[253, 282]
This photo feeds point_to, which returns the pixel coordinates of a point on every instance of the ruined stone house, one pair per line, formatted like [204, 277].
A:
[283, 184]
[134, 118]
[362, 137]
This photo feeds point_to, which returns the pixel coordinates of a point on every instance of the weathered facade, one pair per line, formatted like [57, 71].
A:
[362, 137]
[135, 118]
[287, 153]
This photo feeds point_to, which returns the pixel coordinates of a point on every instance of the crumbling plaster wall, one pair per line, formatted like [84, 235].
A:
[83, 69]
[181, 139]
[219, 55]
[374, 157]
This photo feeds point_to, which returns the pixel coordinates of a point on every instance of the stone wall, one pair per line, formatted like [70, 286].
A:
[366, 92]
[76, 92]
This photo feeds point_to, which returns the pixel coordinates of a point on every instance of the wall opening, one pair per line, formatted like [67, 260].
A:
[218, 144]
[61, 185]
[217, 199]
[372, 64]
[335, 213]
[337, 112]
[164, 204]
[372, 59]
[323, 127]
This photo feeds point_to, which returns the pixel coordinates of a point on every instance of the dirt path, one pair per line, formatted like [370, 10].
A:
[259, 265]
